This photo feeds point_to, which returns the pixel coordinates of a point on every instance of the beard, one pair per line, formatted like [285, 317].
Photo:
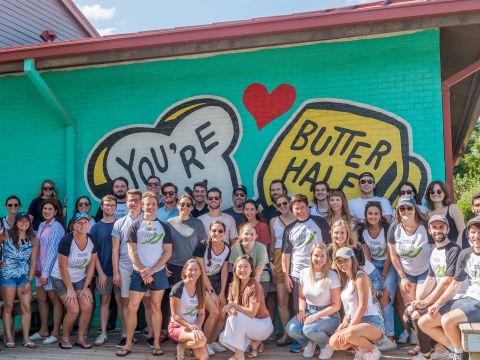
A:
[440, 238]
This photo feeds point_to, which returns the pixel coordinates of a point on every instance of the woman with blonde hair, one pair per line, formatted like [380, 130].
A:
[319, 305]
[47, 190]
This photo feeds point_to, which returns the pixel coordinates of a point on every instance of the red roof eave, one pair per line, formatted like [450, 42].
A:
[376, 13]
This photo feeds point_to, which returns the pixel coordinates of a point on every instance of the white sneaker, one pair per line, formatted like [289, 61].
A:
[101, 339]
[419, 356]
[372, 355]
[385, 344]
[50, 340]
[326, 353]
[217, 347]
[403, 338]
[412, 339]
[359, 354]
[309, 350]
[211, 352]
[436, 355]
[36, 337]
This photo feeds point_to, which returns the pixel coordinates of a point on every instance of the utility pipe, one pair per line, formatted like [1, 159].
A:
[69, 123]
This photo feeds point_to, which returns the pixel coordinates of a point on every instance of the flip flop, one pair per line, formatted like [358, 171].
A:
[10, 345]
[261, 347]
[84, 344]
[157, 352]
[30, 345]
[66, 345]
[123, 352]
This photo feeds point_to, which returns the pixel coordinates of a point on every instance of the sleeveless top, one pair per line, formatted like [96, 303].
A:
[453, 233]
[17, 261]
[278, 231]
[350, 300]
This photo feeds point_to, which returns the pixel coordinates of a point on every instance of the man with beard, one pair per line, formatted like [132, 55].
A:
[320, 193]
[119, 190]
[200, 197]
[476, 212]
[169, 210]
[239, 196]
[443, 261]
[277, 188]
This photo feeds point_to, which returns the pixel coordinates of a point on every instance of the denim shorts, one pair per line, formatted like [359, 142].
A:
[160, 282]
[468, 305]
[61, 289]
[417, 279]
[376, 320]
[14, 282]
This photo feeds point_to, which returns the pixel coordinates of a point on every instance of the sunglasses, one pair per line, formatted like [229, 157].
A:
[188, 205]
[220, 231]
[405, 208]
[406, 192]
[439, 192]
[157, 183]
[13, 205]
[83, 204]
[47, 188]
[214, 198]
[239, 194]
[366, 181]
[169, 193]
[285, 203]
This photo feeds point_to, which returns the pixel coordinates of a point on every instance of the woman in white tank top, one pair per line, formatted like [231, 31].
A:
[362, 324]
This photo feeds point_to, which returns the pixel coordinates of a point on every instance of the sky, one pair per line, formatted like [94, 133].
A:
[127, 16]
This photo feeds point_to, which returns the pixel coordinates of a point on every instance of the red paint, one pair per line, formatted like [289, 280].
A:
[266, 107]
[365, 14]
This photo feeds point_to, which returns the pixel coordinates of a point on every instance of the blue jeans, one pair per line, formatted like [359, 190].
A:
[319, 332]
[390, 283]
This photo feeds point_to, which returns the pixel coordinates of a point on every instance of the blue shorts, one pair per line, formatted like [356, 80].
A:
[468, 305]
[376, 280]
[376, 320]
[418, 279]
[160, 282]
[14, 282]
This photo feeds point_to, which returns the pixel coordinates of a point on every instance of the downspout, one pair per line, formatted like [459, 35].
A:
[67, 121]
[447, 119]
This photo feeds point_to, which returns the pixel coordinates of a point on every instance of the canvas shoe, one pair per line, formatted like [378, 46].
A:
[385, 344]
[403, 338]
[217, 347]
[326, 353]
[309, 350]
[50, 340]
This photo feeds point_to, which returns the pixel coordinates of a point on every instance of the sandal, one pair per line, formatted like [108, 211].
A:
[30, 345]
[261, 347]
[84, 344]
[414, 351]
[10, 345]
[157, 352]
[66, 345]
[123, 352]
[252, 354]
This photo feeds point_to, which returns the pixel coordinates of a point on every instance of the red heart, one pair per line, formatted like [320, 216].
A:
[265, 107]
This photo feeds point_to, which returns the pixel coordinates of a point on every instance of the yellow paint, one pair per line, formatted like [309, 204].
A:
[98, 174]
[182, 111]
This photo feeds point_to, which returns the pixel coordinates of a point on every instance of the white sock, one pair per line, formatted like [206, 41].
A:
[458, 351]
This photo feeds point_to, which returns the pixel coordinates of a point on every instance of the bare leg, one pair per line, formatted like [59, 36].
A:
[432, 326]
[212, 319]
[71, 312]
[86, 308]
[57, 312]
[360, 335]
[104, 311]
[8, 301]
[120, 311]
[131, 318]
[42, 300]
[283, 311]
[450, 322]
[148, 314]
[25, 297]
[156, 301]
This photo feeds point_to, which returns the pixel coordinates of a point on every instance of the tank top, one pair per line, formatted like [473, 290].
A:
[453, 233]
[278, 230]
[350, 300]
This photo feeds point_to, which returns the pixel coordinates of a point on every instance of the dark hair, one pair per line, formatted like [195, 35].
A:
[120, 178]
[169, 184]
[299, 198]
[200, 184]
[235, 284]
[259, 216]
[13, 197]
[188, 196]
[108, 198]
[153, 177]
[375, 204]
[78, 200]
[13, 232]
[345, 211]
[322, 182]
[281, 196]
[278, 181]
[443, 186]
[420, 217]
[58, 208]
[474, 197]
[214, 189]
[209, 240]
[414, 189]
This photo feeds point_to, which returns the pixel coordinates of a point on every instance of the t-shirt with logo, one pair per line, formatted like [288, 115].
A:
[377, 245]
[78, 259]
[188, 304]
[214, 265]
[150, 236]
[314, 295]
[468, 268]
[413, 249]
[299, 238]
[120, 231]
[357, 206]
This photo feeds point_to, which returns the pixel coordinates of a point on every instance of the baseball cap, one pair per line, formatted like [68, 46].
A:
[240, 187]
[474, 221]
[22, 215]
[438, 218]
[365, 174]
[344, 252]
[81, 215]
[406, 201]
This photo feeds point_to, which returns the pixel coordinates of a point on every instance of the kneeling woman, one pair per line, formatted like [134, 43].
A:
[362, 324]
[187, 306]
[319, 304]
[248, 321]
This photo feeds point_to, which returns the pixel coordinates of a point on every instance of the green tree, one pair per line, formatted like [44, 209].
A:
[466, 174]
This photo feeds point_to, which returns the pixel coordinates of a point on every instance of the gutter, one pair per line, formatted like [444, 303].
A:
[447, 119]
[67, 121]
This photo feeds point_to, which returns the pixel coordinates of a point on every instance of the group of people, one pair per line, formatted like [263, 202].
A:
[333, 273]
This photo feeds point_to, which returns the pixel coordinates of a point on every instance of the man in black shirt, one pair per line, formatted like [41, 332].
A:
[277, 187]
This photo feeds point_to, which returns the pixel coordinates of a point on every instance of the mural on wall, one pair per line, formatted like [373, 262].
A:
[325, 139]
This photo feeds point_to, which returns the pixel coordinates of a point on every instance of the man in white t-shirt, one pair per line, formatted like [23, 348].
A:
[214, 199]
[320, 201]
[366, 182]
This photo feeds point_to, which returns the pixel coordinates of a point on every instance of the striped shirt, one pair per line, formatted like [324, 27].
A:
[49, 236]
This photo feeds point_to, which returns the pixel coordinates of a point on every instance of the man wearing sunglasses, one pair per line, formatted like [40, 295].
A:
[153, 185]
[277, 188]
[214, 199]
[366, 183]
[239, 196]
[169, 210]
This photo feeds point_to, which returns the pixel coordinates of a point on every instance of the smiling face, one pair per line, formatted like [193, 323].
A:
[239, 198]
[248, 234]
[320, 192]
[373, 215]
[336, 203]
[214, 200]
[344, 265]
[153, 185]
[319, 258]
[23, 224]
[13, 206]
[199, 194]
[82, 226]
[282, 204]
[243, 269]
[406, 191]
[250, 211]
[339, 235]
[184, 206]
[83, 205]
[109, 207]
[47, 189]
[406, 212]
[438, 230]
[367, 185]
[192, 271]
[120, 188]
[133, 202]
[276, 189]
[169, 194]
[48, 212]
[300, 210]
[476, 207]
[436, 194]
[149, 206]
[474, 235]
[217, 232]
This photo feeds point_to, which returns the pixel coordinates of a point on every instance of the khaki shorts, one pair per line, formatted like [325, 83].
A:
[277, 261]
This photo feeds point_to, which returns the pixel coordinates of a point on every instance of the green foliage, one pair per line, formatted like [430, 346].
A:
[466, 174]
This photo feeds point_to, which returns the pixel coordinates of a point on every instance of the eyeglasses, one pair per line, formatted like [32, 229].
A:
[366, 181]
[214, 198]
[47, 188]
[83, 204]
[13, 205]
[406, 192]
[220, 231]
[133, 201]
[285, 203]
[157, 183]
[239, 194]
[405, 208]
[188, 205]
[439, 192]
[169, 193]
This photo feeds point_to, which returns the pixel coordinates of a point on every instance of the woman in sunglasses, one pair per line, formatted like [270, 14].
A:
[19, 257]
[212, 255]
[47, 190]
[409, 248]
[12, 204]
[407, 189]
[438, 200]
[277, 227]
[82, 204]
